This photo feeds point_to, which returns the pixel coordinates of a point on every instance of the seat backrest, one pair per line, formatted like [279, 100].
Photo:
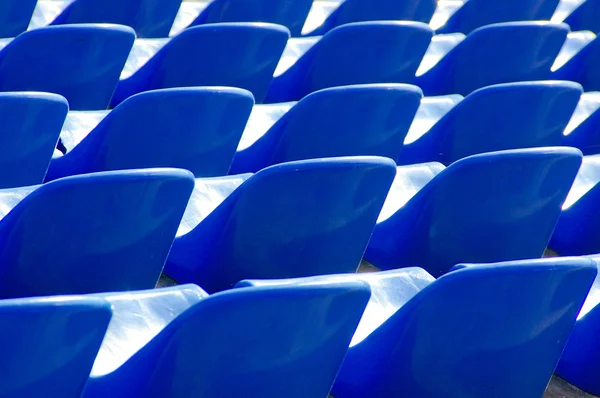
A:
[522, 51]
[94, 233]
[357, 53]
[476, 13]
[31, 125]
[504, 116]
[15, 16]
[300, 218]
[228, 54]
[79, 62]
[581, 67]
[491, 207]
[289, 13]
[49, 344]
[342, 121]
[196, 129]
[585, 16]
[149, 18]
[290, 335]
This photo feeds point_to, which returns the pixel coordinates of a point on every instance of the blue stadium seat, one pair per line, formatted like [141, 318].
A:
[486, 330]
[357, 53]
[79, 62]
[15, 16]
[580, 361]
[229, 54]
[31, 124]
[256, 342]
[585, 17]
[583, 131]
[49, 345]
[343, 121]
[494, 118]
[477, 13]
[294, 219]
[576, 232]
[497, 206]
[581, 65]
[149, 18]
[85, 234]
[522, 51]
[196, 129]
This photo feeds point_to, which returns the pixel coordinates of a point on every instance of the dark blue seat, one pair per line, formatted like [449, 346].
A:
[522, 51]
[256, 342]
[85, 234]
[581, 67]
[300, 218]
[585, 17]
[196, 129]
[476, 13]
[580, 361]
[148, 18]
[49, 345]
[494, 118]
[583, 131]
[488, 330]
[497, 206]
[289, 13]
[229, 54]
[357, 53]
[15, 16]
[350, 11]
[343, 121]
[31, 124]
[79, 62]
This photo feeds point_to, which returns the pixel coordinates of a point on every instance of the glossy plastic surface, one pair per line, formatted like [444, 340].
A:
[344, 121]
[494, 118]
[196, 129]
[15, 16]
[49, 345]
[585, 17]
[228, 54]
[93, 233]
[583, 131]
[149, 18]
[357, 53]
[79, 62]
[581, 67]
[491, 207]
[31, 124]
[289, 13]
[522, 51]
[476, 13]
[255, 342]
[576, 230]
[295, 219]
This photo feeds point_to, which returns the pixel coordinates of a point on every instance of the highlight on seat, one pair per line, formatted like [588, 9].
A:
[15, 16]
[421, 337]
[579, 64]
[355, 120]
[586, 16]
[240, 55]
[583, 130]
[300, 218]
[497, 206]
[80, 62]
[498, 117]
[522, 51]
[93, 233]
[49, 344]
[292, 342]
[357, 53]
[196, 129]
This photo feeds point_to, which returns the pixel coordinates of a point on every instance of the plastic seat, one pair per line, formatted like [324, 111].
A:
[585, 17]
[255, 342]
[300, 218]
[357, 53]
[579, 363]
[49, 345]
[229, 54]
[196, 129]
[497, 206]
[581, 65]
[100, 232]
[31, 124]
[499, 117]
[488, 330]
[15, 16]
[477, 13]
[583, 131]
[345, 121]
[79, 62]
[522, 51]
